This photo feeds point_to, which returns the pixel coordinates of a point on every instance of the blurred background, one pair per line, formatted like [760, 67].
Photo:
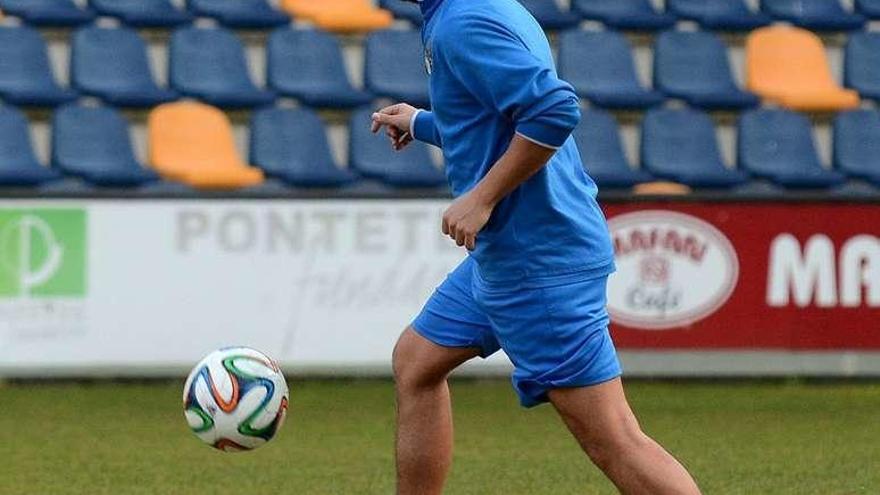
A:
[177, 177]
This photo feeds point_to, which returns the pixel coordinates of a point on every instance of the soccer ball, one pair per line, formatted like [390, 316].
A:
[235, 399]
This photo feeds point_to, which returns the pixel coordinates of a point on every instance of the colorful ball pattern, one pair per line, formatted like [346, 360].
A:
[235, 399]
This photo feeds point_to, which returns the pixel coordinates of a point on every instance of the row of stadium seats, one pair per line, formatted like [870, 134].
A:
[210, 64]
[786, 66]
[724, 15]
[338, 15]
[362, 16]
[776, 145]
[192, 143]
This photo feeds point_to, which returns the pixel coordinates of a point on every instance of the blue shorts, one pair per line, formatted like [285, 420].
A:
[555, 334]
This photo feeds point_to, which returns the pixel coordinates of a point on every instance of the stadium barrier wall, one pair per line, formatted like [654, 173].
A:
[105, 287]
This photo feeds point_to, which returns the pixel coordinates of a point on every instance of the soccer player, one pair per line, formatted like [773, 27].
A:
[534, 282]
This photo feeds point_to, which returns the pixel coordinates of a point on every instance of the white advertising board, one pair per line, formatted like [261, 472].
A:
[154, 285]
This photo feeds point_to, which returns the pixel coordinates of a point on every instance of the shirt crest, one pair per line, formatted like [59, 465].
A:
[429, 58]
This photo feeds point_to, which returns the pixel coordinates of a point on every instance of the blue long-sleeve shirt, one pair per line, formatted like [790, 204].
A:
[493, 76]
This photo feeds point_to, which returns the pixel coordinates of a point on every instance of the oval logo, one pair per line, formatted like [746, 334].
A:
[672, 270]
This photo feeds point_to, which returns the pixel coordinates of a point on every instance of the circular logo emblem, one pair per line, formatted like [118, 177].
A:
[29, 252]
[672, 270]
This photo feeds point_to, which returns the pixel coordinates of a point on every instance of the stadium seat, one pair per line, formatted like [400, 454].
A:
[868, 8]
[18, 164]
[815, 15]
[788, 66]
[112, 64]
[307, 64]
[721, 15]
[601, 68]
[94, 144]
[403, 10]
[291, 145]
[857, 144]
[25, 75]
[343, 16]
[863, 64]
[209, 64]
[550, 15]
[142, 13]
[598, 140]
[681, 145]
[661, 188]
[694, 66]
[193, 143]
[778, 145]
[47, 12]
[395, 67]
[371, 156]
[635, 15]
[240, 13]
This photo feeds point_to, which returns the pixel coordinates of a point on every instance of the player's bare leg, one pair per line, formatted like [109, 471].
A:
[606, 428]
[424, 412]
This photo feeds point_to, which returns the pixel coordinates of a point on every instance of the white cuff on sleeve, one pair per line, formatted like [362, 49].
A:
[412, 122]
[539, 143]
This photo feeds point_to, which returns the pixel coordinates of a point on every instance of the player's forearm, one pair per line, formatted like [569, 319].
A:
[522, 160]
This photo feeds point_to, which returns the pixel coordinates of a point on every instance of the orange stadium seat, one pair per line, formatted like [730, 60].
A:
[193, 143]
[788, 66]
[661, 189]
[342, 16]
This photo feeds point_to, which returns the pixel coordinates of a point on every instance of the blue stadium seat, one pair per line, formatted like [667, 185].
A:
[112, 64]
[371, 156]
[778, 145]
[598, 140]
[245, 14]
[403, 10]
[550, 15]
[25, 75]
[721, 15]
[94, 144]
[209, 64]
[601, 68]
[635, 15]
[857, 144]
[395, 67]
[142, 13]
[863, 64]
[815, 15]
[291, 145]
[681, 145]
[868, 8]
[694, 66]
[18, 165]
[47, 12]
[307, 64]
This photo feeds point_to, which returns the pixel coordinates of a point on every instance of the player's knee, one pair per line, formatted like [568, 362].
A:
[409, 373]
[412, 370]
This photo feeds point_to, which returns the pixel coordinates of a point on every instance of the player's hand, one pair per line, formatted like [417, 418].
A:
[467, 216]
[396, 120]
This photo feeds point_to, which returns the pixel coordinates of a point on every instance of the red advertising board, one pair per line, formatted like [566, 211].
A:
[757, 276]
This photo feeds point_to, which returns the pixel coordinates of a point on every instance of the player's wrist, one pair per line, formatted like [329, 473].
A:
[484, 197]
[412, 120]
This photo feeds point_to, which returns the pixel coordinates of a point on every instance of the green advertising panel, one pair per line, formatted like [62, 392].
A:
[42, 252]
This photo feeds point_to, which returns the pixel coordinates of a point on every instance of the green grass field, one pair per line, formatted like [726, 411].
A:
[764, 438]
